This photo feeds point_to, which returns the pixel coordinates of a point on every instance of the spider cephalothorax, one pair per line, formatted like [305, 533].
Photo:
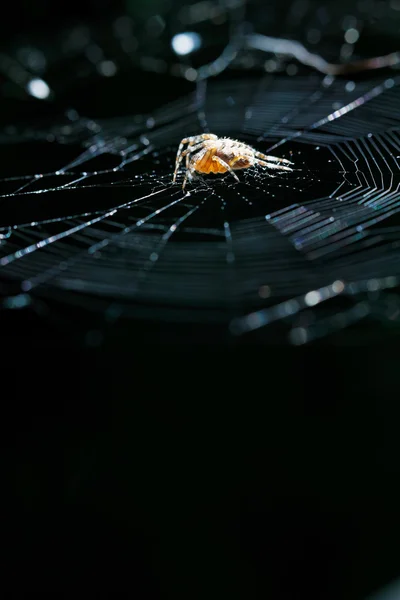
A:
[207, 153]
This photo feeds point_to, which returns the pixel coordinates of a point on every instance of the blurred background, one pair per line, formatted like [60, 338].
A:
[268, 472]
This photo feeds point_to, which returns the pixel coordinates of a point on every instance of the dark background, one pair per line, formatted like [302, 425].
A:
[143, 470]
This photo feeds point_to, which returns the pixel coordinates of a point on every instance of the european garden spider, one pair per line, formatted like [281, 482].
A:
[207, 153]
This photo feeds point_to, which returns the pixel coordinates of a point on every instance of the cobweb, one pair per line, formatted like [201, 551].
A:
[90, 213]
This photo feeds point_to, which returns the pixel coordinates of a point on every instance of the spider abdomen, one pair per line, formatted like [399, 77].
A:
[207, 163]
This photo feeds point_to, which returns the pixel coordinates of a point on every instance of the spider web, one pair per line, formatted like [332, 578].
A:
[90, 214]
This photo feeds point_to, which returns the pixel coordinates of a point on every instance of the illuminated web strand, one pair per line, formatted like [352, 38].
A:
[50, 240]
[49, 274]
[6, 260]
[261, 318]
[351, 106]
[303, 106]
[300, 335]
[382, 142]
[155, 254]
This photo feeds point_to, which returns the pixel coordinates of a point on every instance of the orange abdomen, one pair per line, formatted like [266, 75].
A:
[208, 165]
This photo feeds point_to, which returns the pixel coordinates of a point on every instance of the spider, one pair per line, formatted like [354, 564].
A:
[207, 153]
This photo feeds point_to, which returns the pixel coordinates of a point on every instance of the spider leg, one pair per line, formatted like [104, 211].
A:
[187, 174]
[179, 155]
[189, 168]
[272, 165]
[272, 158]
[226, 165]
[187, 171]
[238, 158]
[194, 142]
[191, 149]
